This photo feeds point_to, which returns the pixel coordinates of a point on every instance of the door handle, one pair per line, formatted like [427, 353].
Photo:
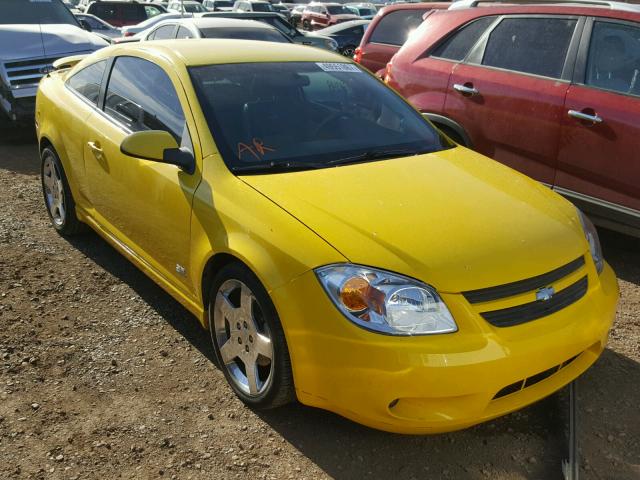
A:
[95, 147]
[595, 118]
[465, 89]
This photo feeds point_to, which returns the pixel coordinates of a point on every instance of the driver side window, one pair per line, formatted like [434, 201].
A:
[128, 98]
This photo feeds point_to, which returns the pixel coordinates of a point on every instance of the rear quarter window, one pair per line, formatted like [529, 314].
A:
[457, 46]
[395, 28]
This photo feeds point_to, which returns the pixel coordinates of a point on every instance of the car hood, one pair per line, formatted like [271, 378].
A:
[33, 41]
[454, 219]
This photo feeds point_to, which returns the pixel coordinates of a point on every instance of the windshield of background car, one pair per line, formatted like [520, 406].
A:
[194, 8]
[262, 7]
[339, 10]
[261, 34]
[35, 12]
[269, 117]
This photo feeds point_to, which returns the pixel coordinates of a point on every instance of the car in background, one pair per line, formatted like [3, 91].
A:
[274, 19]
[295, 15]
[132, 30]
[252, 6]
[71, 6]
[340, 249]
[186, 6]
[366, 11]
[122, 13]
[98, 25]
[388, 31]
[218, 5]
[347, 35]
[281, 9]
[229, 28]
[550, 90]
[33, 35]
[320, 15]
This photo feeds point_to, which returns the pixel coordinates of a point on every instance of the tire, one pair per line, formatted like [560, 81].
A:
[306, 25]
[239, 336]
[57, 195]
[349, 51]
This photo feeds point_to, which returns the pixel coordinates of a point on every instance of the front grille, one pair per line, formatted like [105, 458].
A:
[25, 73]
[532, 380]
[508, 317]
[523, 286]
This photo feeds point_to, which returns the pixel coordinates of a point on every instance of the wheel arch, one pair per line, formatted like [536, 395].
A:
[449, 125]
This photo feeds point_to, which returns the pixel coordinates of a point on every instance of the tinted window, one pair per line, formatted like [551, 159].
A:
[338, 10]
[132, 12]
[530, 45]
[152, 11]
[394, 29]
[184, 33]
[262, 7]
[87, 81]
[261, 34]
[129, 100]
[614, 58]
[458, 45]
[28, 12]
[163, 33]
[277, 116]
[93, 23]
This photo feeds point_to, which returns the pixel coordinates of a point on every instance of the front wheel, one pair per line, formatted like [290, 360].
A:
[248, 339]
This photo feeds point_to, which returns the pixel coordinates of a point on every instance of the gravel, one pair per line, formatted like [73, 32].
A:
[103, 375]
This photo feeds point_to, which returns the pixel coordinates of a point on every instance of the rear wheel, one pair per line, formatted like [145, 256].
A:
[57, 195]
[248, 339]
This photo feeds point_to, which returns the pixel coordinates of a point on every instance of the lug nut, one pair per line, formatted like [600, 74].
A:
[238, 325]
[250, 338]
[245, 325]
[239, 340]
[246, 348]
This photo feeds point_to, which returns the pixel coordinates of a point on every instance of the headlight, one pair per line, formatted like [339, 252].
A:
[594, 241]
[386, 302]
[332, 44]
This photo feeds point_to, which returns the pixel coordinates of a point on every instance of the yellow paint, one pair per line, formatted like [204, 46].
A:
[454, 219]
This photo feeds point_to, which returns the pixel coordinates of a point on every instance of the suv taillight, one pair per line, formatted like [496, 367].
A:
[128, 34]
[357, 56]
[387, 73]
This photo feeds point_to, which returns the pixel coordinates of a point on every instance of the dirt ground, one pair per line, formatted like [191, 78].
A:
[103, 375]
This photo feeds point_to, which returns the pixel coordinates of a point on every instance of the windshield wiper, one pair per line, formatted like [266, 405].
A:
[375, 155]
[274, 167]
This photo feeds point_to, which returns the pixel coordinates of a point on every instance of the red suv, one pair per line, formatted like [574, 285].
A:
[550, 90]
[320, 15]
[388, 30]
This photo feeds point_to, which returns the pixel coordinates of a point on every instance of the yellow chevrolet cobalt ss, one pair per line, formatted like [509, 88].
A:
[339, 249]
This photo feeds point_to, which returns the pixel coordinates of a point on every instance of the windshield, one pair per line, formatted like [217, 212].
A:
[35, 12]
[338, 10]
[270, 117]
[194, 8]
[262, 7]
[261, 34]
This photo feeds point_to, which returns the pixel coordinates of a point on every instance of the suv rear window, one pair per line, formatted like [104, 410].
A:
[457, 46]
[394, 29]
[120, 11]
[530, 45]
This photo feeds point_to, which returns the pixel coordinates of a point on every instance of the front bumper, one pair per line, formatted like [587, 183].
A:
[439, 383]
[20, 105]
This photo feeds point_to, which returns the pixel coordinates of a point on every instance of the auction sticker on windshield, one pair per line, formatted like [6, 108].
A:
[338, 67]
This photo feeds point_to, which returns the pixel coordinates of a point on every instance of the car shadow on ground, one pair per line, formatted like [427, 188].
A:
[346, 450]
[19, 150]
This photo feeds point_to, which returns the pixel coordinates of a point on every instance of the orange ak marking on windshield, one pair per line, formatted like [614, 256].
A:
[257, 148]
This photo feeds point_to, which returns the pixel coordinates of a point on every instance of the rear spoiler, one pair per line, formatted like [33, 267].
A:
[67, 62]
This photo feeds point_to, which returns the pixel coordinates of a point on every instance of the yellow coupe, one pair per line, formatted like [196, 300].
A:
[339, 249]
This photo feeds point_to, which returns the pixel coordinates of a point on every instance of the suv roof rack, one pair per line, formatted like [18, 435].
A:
[626, 7]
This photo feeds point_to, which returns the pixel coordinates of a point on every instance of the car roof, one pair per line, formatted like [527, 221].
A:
[599, 9]
[194, 52]
[415, 6]
[241, 15]
[209, 22]
[613, 5]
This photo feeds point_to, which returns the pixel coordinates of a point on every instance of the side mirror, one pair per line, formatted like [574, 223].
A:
[158, 146]
[86, 26]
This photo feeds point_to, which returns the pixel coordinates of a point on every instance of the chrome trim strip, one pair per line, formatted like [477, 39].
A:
[597, 201]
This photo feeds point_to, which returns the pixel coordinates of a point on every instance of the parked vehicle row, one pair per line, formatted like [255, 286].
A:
[550, 90]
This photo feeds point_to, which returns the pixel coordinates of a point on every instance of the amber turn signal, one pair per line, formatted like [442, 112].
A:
[353, 294]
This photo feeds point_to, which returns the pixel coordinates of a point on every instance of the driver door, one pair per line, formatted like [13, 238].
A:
[143, 205]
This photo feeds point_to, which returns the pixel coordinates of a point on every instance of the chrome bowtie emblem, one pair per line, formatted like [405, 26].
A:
[545, 294]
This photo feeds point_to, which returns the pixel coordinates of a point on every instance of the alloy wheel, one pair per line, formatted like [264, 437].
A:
[54, 191]
[243, 338]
